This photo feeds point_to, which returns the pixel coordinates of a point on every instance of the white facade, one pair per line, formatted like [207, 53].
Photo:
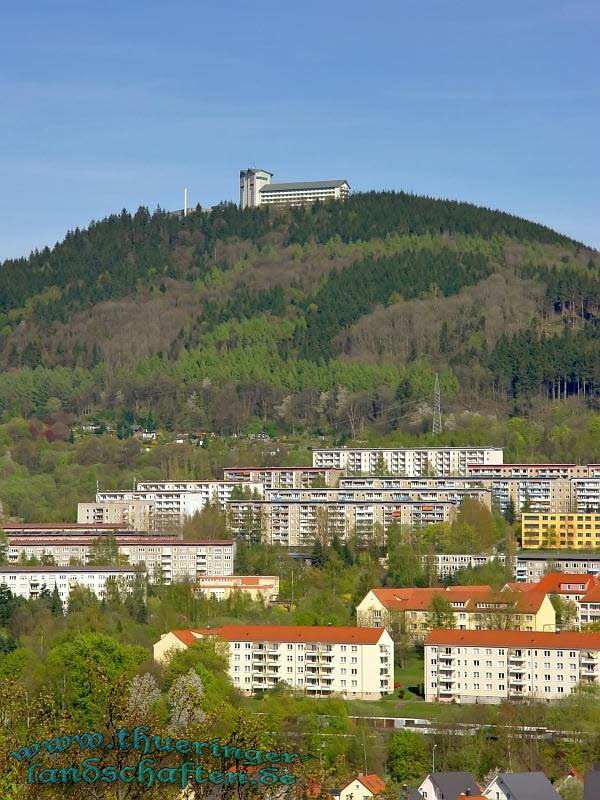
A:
[28, 582]
[444, 564]
[257, 188]
[167, 559]
[494, 666]
[408, 461]
[251, 182]
[501, 470]
[173, 502]
[357, 663]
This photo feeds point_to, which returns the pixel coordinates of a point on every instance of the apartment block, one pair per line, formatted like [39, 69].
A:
[572, 531]
[408, 461]
[357, 663]
[221, 587]
[474, 607]
[531, 567]
[497, 665]
[388, 494]
[501, 470]
[30, 582]
[137, 515]
[585, 495]
[172, 502]
[534, 494]
[284, 477]
[446, 564]
[296, 522]
[62, 529]
[165, 558]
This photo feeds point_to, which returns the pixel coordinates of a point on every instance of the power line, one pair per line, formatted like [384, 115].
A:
[436, 427]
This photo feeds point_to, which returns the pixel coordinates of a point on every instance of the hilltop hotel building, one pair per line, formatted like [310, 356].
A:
[256, 189]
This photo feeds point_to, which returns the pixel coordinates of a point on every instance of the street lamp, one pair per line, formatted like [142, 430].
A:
[433, 758]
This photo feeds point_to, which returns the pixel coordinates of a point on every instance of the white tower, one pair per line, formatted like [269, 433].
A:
[251, 182]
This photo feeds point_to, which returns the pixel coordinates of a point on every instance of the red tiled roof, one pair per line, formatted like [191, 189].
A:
[574, 640]
[372, 782]
[295, 633]
[553, 582]
[187, 637]
[417, 599]
[592, 595]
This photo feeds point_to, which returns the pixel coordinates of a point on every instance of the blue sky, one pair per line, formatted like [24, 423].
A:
[110, 105]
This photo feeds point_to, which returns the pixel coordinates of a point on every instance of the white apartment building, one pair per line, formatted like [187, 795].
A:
[531, 566]
[494, 665]
[29, 582]
[172, 502]
[585, 495]
[283, 477]
[165, 558]
[221, 587]
[357, 663]
[257, 189]
[296, 522]
[409, 461]
[444, 564]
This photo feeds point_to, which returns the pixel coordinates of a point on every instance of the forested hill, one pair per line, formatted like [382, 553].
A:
[300, 315]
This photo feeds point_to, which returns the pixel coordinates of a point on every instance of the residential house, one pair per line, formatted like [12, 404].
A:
[448, 785]
[363, 787]
[521, 786]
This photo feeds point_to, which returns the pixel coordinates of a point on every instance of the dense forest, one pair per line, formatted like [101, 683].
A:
[333, 318]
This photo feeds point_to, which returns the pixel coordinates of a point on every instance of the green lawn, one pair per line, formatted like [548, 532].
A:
[411, 674]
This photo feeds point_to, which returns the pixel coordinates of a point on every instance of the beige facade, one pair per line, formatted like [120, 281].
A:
[408, 461]
[296, 523]
[136, 515]
[474, 607]
[357, 663]
[221, 587]
[354, 494]
[166, 558]
[284, 477]
[495, 666]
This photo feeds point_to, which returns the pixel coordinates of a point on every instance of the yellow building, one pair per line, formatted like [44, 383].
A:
[408, 610]
[564, 531]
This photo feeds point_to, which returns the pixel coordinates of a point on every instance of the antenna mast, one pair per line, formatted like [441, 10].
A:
[437, 407]
[185, 202]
